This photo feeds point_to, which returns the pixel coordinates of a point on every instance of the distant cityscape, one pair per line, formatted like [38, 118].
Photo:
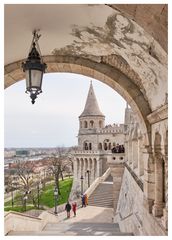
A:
[13, 155]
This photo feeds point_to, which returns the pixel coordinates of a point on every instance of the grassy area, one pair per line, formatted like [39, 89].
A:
[46, 196]
[18, 208]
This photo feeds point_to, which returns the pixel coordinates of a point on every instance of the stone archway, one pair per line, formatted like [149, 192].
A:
[120, 52]
[103, 72]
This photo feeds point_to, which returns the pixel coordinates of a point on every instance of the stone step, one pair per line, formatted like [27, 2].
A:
[104, 192]
[76, 229]
[84, 233]
[98, 204]
[78, 225]
[102, 205]
[100, 201]
[98, 196]
[102, 195]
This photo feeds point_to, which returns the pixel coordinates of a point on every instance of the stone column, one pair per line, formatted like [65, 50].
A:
[134, 153]
[165, 210]
[80, 171]
[149, 178]
[98, 168]
[130, 152]
[95, 170]
[140, 157]
[84, 174]
[126, 150]
[75, 168]
[92, 171]
[158, 204]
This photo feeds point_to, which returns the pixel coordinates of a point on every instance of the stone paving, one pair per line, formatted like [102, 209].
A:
[89, 221]
[90, 214]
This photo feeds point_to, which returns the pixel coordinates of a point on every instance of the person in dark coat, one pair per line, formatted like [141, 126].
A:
[83, 201]
[68, 208]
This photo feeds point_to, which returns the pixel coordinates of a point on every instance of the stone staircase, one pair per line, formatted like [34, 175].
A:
[103, 194]
[76, 229]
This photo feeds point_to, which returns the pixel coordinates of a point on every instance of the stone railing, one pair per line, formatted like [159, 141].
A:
[93, 152]
[15, 221]
[134, 175]
[98, 180]
[86, 152]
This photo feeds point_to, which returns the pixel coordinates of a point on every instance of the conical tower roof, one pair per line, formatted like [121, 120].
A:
[91, 106]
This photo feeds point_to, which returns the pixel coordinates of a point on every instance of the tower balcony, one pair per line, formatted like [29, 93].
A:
[87, 131]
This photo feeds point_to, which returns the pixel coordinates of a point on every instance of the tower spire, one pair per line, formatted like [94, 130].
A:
[91, 106]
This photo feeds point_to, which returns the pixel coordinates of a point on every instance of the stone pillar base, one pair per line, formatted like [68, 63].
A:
[148, 204]
[165, 219]
[157, 209]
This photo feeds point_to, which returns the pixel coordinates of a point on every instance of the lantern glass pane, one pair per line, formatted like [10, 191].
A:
[36, 78]
[27, 79]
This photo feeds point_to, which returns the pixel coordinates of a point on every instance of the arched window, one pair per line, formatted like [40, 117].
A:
[90, 146]
[100, 124]
[91, 124]
[100, 146]
[105, 146]
[85, 146]
[85, 124]
[80, 124]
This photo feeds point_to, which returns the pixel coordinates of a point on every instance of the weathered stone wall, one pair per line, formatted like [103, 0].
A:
[131, 213]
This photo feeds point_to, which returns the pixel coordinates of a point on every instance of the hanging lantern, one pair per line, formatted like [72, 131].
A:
[34, 69]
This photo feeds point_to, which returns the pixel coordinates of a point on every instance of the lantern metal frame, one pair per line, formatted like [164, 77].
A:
[34, 62]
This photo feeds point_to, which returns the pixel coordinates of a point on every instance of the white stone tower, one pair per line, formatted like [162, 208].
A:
[95, 143]
[91, 120]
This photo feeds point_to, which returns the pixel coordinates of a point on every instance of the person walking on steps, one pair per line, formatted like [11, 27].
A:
[86, 200]
[74, 208]
[83, 201]
[68, 208]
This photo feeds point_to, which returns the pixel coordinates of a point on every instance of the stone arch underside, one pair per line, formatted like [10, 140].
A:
[101, 71]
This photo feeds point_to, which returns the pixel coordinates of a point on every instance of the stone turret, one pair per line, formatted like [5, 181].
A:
[91, 117]
[91, 121]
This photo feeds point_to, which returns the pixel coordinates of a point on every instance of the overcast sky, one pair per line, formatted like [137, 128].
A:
[53, 119]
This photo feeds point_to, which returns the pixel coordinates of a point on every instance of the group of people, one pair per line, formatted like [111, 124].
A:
[73, 206]
[68, 208]
[118, 149]
[84, 199]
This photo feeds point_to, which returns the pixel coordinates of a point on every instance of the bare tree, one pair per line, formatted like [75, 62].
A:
[24, 170]
[59, 163]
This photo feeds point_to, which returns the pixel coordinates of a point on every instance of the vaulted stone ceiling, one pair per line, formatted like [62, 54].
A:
[130, 38]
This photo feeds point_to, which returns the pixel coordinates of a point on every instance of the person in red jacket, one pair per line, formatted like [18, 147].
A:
[74, 208]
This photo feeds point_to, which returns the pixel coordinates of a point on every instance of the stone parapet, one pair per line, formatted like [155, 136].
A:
[21, 222]
[91, 152]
